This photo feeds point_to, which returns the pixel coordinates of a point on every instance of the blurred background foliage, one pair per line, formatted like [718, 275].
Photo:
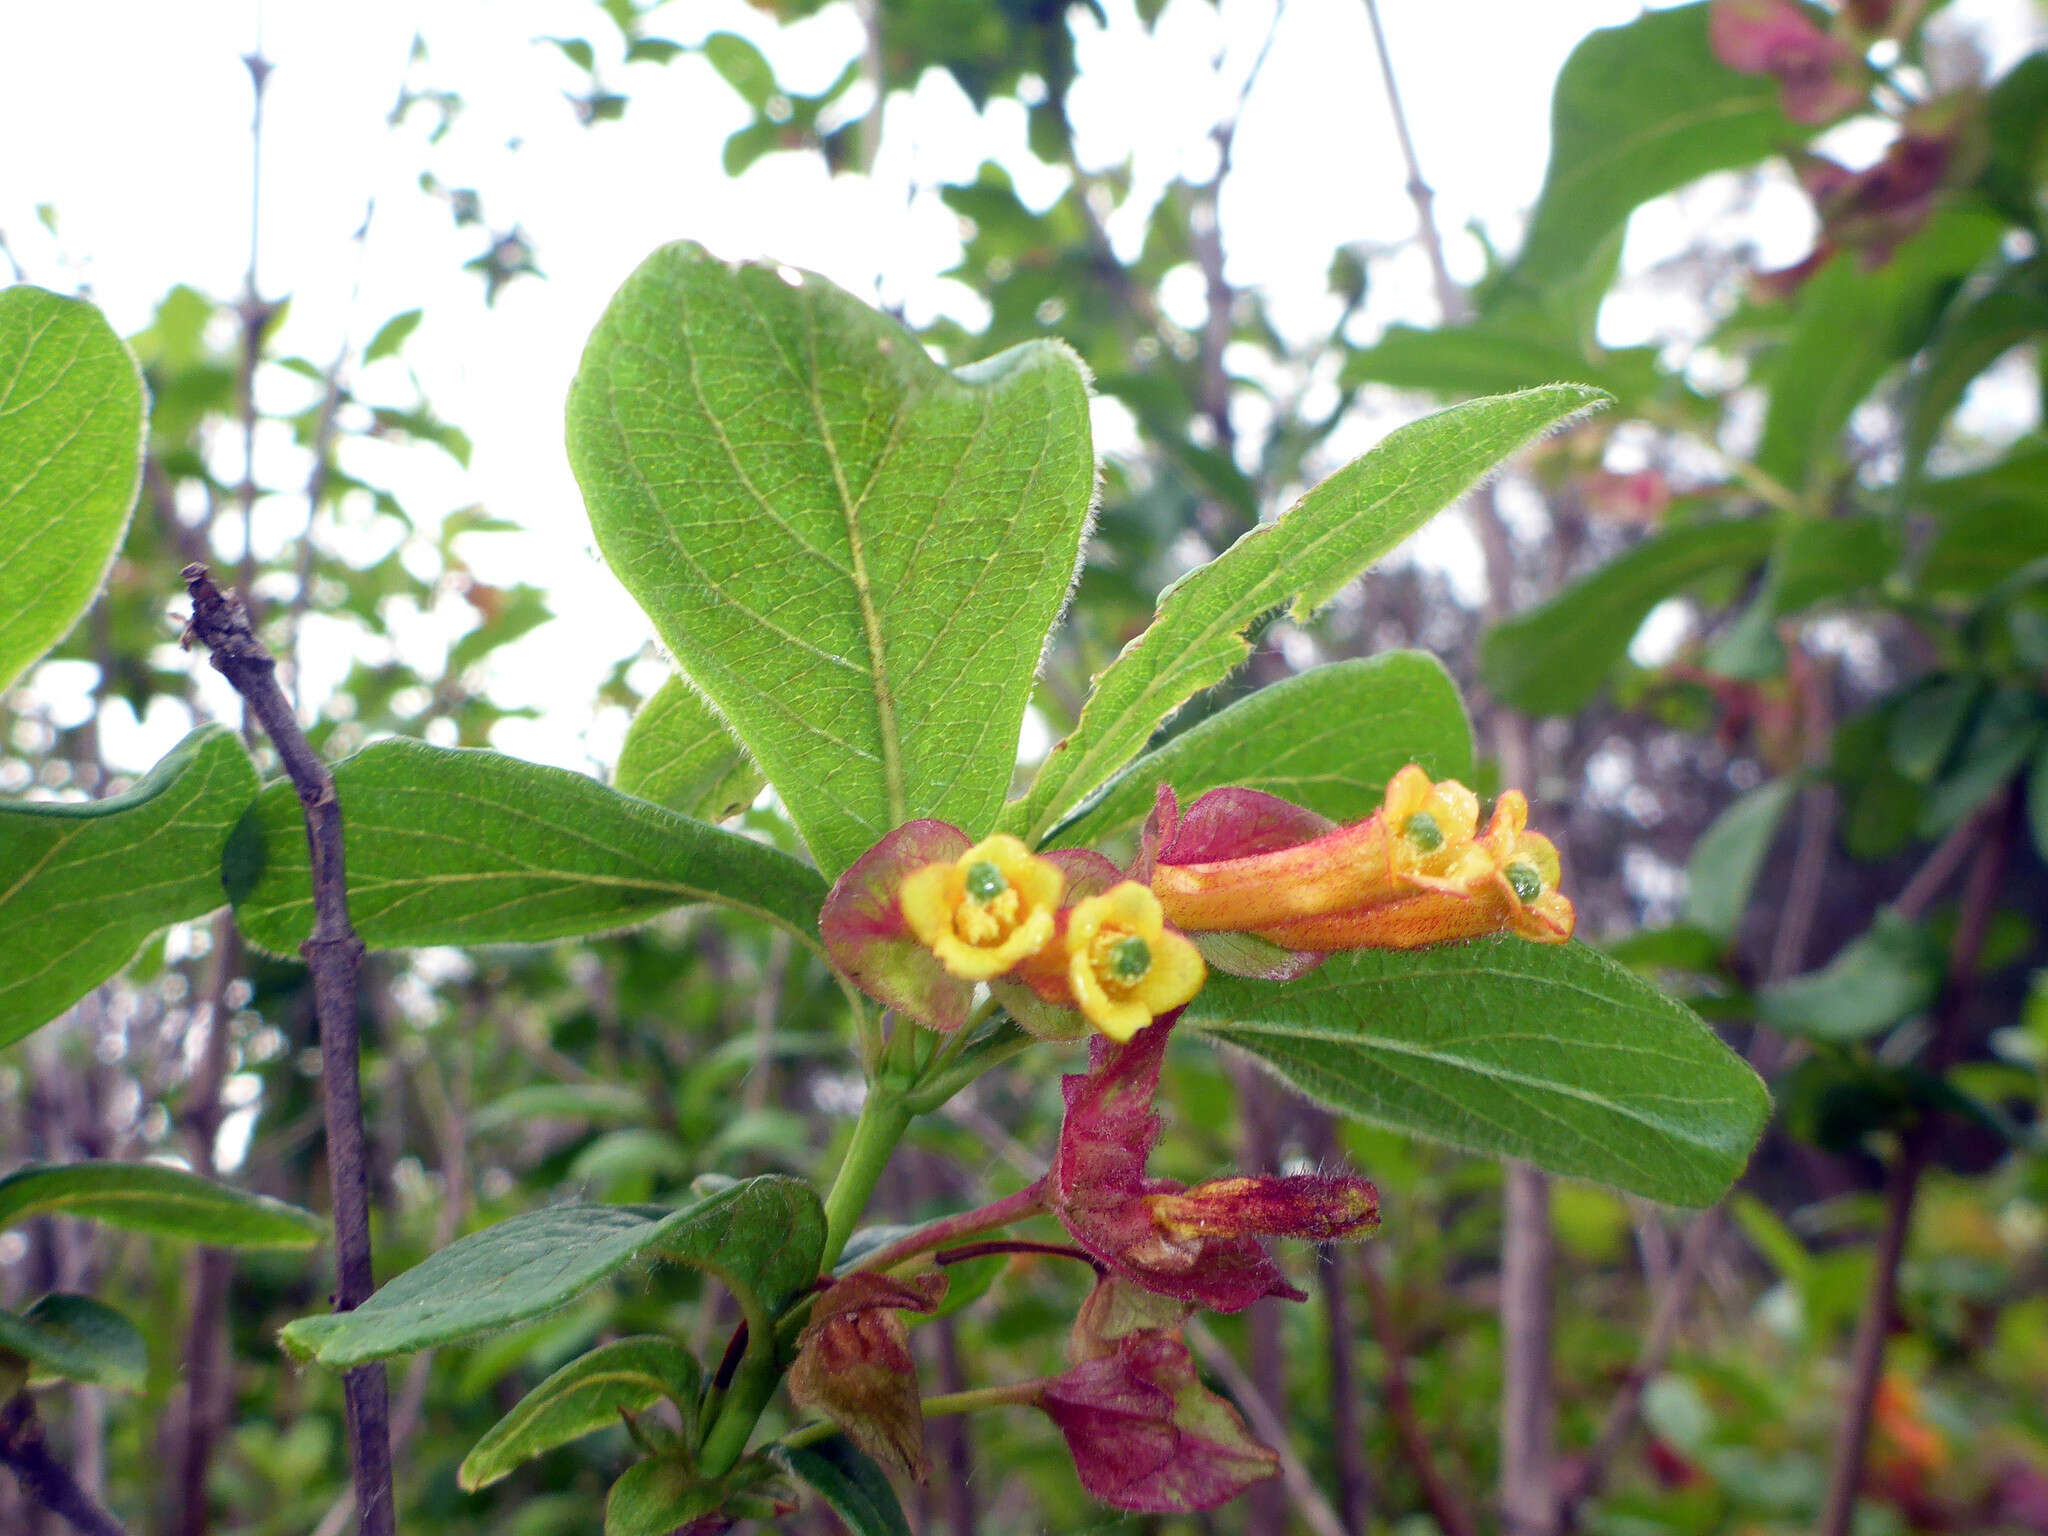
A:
[1765, 642]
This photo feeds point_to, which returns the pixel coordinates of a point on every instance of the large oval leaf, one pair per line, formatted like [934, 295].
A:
[1552, 1054]
[70, 462]
[1328, 739]
[82, 885]
[855, 554]
[162, 1201]
[762, 1238]
[1304, 557]
[451, 846]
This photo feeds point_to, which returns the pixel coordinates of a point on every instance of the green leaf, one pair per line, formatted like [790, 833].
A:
[159, 1200]
[451, 846]
[678, 753]
[1549, 1053]
[83, 885]
[742, 64]
[1554, 658]
[852, 1486]
[1640, 110]
[71, 438]
[1987, 524]
[74, 1338]
[656, 1497]
[855, 554]
[583, 1397]
[1728, 856]
[1329, 739]
[1853, 325]
[762, 1238]
[1304, 557]
[1498, 353]
[604, 1103]
[1972, 336]
[1927, 723]
[1819, 559]
[392, 335]
[2004, 734]
[1892, 971]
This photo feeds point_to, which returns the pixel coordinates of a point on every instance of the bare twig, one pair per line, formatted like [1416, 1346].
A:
[333, 955]
[1445, 1507]
[25, 1451]
[1300, 1487]
[1449, 296]
[1334, 1276]
[1866, 1353]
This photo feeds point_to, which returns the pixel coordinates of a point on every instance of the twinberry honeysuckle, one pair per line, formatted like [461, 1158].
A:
[1064, 941]
[1418, 871]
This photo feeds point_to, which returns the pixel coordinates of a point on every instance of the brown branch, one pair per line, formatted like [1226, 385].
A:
[25, 1451]
[1445, 1508]
[333, 955]
[1866, 1354]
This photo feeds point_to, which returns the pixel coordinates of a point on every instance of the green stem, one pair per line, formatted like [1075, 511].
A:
[883, 1119]
[752, 1385]
[947, 1076]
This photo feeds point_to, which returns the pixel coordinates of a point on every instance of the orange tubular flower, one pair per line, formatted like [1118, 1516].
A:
[986, 910]
[1416, 872]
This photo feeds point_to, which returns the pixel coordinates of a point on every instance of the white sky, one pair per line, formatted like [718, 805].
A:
[131, 119]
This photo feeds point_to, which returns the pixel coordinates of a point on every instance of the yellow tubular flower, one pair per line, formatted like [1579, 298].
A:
[1526, 873]
[1430, 829]
[990, 908]
[1125, 965]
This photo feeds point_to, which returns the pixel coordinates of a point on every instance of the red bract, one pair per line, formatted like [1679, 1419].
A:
[1146, 1435]
[1199, 1245]
[1820, 77]
[853, 1364]
[867, 937]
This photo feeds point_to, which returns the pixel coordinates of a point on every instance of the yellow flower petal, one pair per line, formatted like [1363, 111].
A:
[986, 911]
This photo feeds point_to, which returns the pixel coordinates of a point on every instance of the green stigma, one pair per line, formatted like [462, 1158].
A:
[1423, 832]
[985, 882]
[1524, 881]
[1129, 959]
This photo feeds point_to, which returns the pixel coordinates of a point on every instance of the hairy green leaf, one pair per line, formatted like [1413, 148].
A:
[1498, 353]
[71, 436]
[74, 1338]
[852, 1486]
[1549, 1053]
[678, 753]
[1329, 739]
[762, 1238]
[1972, 336]
[1554, 658]
[1729, 855]
[1640, 110]
[82, 885]
[1304, 557]
[452, 846]
[855, 554]
[159, 1200]
[583, 1397]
